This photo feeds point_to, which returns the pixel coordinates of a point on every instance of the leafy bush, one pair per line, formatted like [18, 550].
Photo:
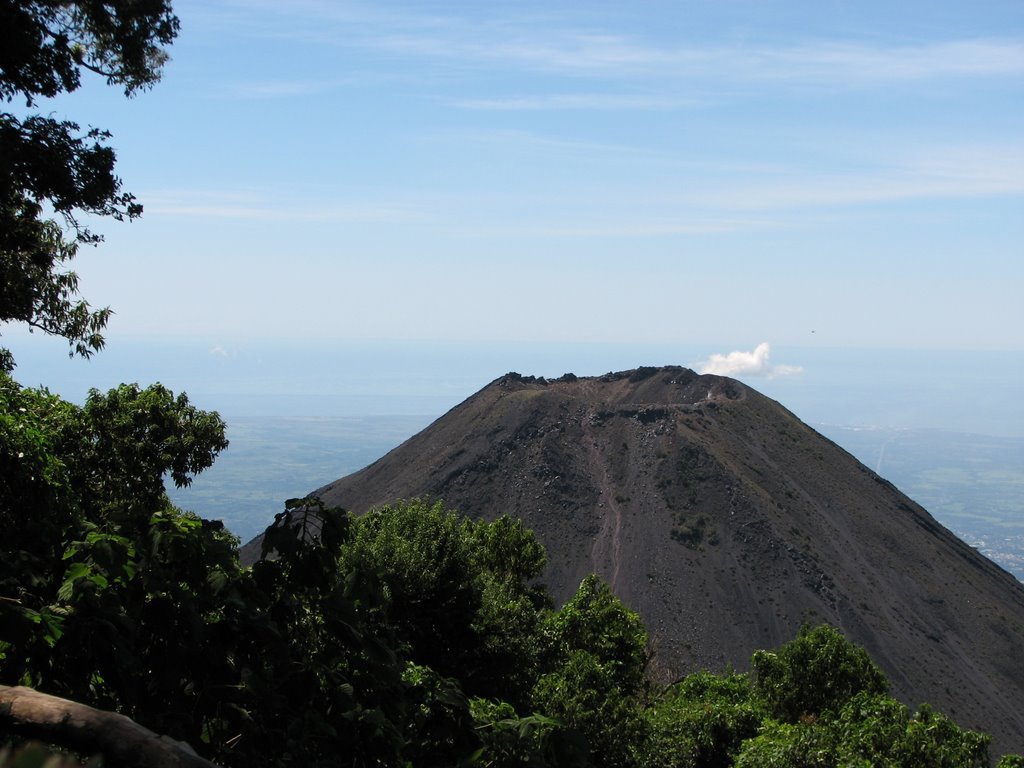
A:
[701, 722]
[817, 672]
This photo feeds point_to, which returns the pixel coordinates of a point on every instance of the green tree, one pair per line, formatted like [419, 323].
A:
[583, 695]
[871, 731]
[933, 740]
[534, 741]
[460, 593]
[439, 727]
[793, 745]
[113, 597]
[594, 657]
[86, 521]
[701, 722]
[815, 673]
[594, 620]
[52, 172]
[313, 678]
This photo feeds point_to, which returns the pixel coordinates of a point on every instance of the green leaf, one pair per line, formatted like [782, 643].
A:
[74, 573]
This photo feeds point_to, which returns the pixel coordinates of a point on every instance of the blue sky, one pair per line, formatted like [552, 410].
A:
[836, 174]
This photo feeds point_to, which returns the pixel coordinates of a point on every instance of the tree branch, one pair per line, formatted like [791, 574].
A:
[123, 742]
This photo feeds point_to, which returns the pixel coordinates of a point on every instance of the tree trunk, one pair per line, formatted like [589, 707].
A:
[123, 742]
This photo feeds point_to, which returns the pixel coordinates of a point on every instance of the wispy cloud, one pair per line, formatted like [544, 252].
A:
[532, 142]
[555, 44]
[245, 206]
[755, 363]
[219, 352]
[625, 227]
[578, 101]
[275, 89]
[817, 62]
[859, 63]
[928, 173]
[565, 52]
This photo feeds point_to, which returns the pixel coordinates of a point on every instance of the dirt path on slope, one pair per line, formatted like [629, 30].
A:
[608, 542]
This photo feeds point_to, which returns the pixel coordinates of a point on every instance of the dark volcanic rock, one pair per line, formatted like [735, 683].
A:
[726, 523]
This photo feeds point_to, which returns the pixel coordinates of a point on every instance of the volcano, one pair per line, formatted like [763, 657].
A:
[726, 523]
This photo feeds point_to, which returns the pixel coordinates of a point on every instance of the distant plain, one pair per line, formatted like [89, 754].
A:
[945, 426]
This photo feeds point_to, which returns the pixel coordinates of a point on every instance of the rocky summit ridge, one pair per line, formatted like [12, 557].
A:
[726, 523]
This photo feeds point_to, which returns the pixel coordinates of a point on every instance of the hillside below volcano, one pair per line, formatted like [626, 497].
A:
[726, 523]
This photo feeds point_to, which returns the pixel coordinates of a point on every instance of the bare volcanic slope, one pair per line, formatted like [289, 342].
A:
[726, 523]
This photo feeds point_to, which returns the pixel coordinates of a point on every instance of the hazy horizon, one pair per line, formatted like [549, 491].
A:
[945, 426]
[974, 391]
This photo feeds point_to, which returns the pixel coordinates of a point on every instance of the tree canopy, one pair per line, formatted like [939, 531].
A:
[332, 646]
[52, 171]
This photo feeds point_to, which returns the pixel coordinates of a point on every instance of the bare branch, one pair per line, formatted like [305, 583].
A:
[122, 742]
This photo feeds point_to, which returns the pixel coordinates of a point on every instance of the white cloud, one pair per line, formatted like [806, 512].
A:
[756, 363]
[554, 42]
[233, 205]
[929, 173]
[627, 226]
[577, 101]
[857, 63]
[274, 89]
[573, 52]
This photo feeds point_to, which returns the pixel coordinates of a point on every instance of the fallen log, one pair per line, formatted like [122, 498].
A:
[122, 742]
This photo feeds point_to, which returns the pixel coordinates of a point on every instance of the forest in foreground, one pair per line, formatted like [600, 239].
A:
[409, 635]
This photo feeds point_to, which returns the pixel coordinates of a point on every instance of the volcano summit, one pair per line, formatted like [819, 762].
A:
[726, 523]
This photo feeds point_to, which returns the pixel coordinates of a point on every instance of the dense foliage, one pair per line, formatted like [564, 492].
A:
[53, 172]
[407, 636]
